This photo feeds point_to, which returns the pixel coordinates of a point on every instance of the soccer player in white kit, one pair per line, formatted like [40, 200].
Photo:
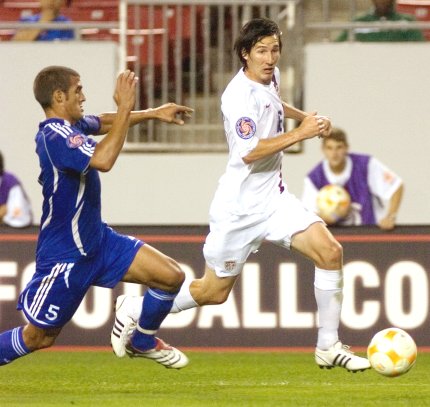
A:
[252, 203]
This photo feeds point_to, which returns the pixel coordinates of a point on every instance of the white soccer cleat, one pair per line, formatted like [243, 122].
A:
[123, 327]
[340, 355]
[164, 354]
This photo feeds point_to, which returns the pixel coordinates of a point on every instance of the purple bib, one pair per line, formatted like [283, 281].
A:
[7, 183]
[357, 185]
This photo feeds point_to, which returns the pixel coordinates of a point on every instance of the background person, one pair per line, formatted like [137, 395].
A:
[15, 207]
[384, 10]
[376, 191]
[50, 11]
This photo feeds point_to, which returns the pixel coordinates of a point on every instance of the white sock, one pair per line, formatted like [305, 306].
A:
[184, 300]
[328, 295]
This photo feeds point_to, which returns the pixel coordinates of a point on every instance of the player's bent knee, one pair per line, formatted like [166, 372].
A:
[336, 252]
[331, 256]
[176, 276]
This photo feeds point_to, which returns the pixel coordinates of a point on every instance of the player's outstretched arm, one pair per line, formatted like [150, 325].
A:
[168, 113]
[108, 149]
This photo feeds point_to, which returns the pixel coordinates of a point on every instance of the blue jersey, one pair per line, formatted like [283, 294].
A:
[51, 35]
[71, 225]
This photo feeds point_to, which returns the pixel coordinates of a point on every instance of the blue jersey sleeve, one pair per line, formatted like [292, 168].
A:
[68, 149]
[88, 125]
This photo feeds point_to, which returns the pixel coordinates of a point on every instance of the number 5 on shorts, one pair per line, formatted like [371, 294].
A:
[52, 313]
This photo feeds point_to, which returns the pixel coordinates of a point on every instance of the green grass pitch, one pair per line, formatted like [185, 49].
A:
[97, 378]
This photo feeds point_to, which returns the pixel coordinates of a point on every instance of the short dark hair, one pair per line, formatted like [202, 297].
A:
[252, 32]
[1, 164]
[337, 135]
[50, 79]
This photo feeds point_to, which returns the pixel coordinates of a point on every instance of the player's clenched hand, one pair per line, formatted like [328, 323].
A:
[315, 125]
[311, 126]
[325, 126]
[173, 113]
[125, 90]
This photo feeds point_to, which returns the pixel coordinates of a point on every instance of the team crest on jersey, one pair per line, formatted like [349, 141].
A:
[245, 128]
[75, 140]
[230, 265]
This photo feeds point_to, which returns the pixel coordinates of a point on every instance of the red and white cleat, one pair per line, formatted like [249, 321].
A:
[164, 354]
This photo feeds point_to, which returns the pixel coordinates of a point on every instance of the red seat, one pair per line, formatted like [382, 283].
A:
[170, 21]
[420, 9]
[96, 14]
[13, 11]
[14, 14]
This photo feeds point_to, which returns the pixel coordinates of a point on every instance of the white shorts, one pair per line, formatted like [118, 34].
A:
[233, 238]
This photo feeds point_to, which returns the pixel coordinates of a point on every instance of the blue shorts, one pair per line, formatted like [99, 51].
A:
[56, 289]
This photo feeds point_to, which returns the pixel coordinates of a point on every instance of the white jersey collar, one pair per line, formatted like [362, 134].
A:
[341, 178]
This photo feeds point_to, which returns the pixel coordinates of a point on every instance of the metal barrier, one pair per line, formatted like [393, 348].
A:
[183, 52]
[185, 55]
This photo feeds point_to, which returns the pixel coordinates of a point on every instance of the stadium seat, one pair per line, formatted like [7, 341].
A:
[420, 9]
[95, 14]
[173, 21]
[9, 14]
[13, 11]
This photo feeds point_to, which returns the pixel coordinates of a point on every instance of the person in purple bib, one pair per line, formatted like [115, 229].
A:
[375, 191]
[15, 207]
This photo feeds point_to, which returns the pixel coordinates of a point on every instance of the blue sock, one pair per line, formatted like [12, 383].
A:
[156, 306]
[12, 346]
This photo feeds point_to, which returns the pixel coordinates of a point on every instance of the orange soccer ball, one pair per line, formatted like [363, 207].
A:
[392, 352]
[333, 203]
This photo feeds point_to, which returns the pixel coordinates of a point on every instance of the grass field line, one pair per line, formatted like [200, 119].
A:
[217, 349]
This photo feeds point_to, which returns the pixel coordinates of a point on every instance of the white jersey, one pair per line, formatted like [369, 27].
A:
[251, 112]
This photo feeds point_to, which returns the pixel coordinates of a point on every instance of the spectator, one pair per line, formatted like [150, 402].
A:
[384, 10]
[15, 208]
[49, 12]
[375, 191]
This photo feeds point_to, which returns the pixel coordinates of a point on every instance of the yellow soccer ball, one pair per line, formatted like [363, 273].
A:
[333, 203]
[392, 352]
